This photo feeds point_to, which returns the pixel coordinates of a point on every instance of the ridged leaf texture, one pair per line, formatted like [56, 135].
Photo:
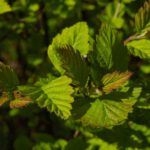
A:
[74, 65]
[142, 18]
[54, 94]
[109, 50]
[112, 81]
[8, 78]
[140, 48]
[104, 112]
[75, 36]
[4, 7]
[105, 43]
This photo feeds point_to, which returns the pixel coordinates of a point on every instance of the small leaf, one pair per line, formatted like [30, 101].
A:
[8, 78]
[74, 65]
[18, 103]
[4, 7]
[75, 36]
[142, 18]
[112, 81]
[140, 48]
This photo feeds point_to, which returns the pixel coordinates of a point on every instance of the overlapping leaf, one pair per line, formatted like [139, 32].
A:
[109, 50]
[105, 112]
[54, 94]
[74, 65]
[139, 44]
[142, 18]
[140, 48]
[8, 78]
[112, 81]
[105, 43]
[4, 7]
[75, 36]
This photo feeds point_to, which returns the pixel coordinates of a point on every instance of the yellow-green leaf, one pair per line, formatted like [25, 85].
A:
[75, 36]
[140, 48]
[53, 94]
[4, 7]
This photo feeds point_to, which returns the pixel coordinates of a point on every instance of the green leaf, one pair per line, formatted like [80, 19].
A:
[75, 36]
[4, 7]
[103, 145]
[145, 68]
[104, 112]
[146, 107]
[112, 81]
[140, 48]
[59, 91]
[109, 50]
[145, 130]
[53, 94]
[60, 144]
[105, 43]
[8, 78]
[43, 146]
[74, 65]
[142, 18]
[96, 72]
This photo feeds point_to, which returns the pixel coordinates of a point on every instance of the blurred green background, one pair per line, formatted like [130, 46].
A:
[25, 33]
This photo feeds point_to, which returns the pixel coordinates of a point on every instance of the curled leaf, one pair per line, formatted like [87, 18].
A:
[112, 81]
[18, 103]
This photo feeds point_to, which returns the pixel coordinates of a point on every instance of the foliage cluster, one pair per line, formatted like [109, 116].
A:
[75, 75]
